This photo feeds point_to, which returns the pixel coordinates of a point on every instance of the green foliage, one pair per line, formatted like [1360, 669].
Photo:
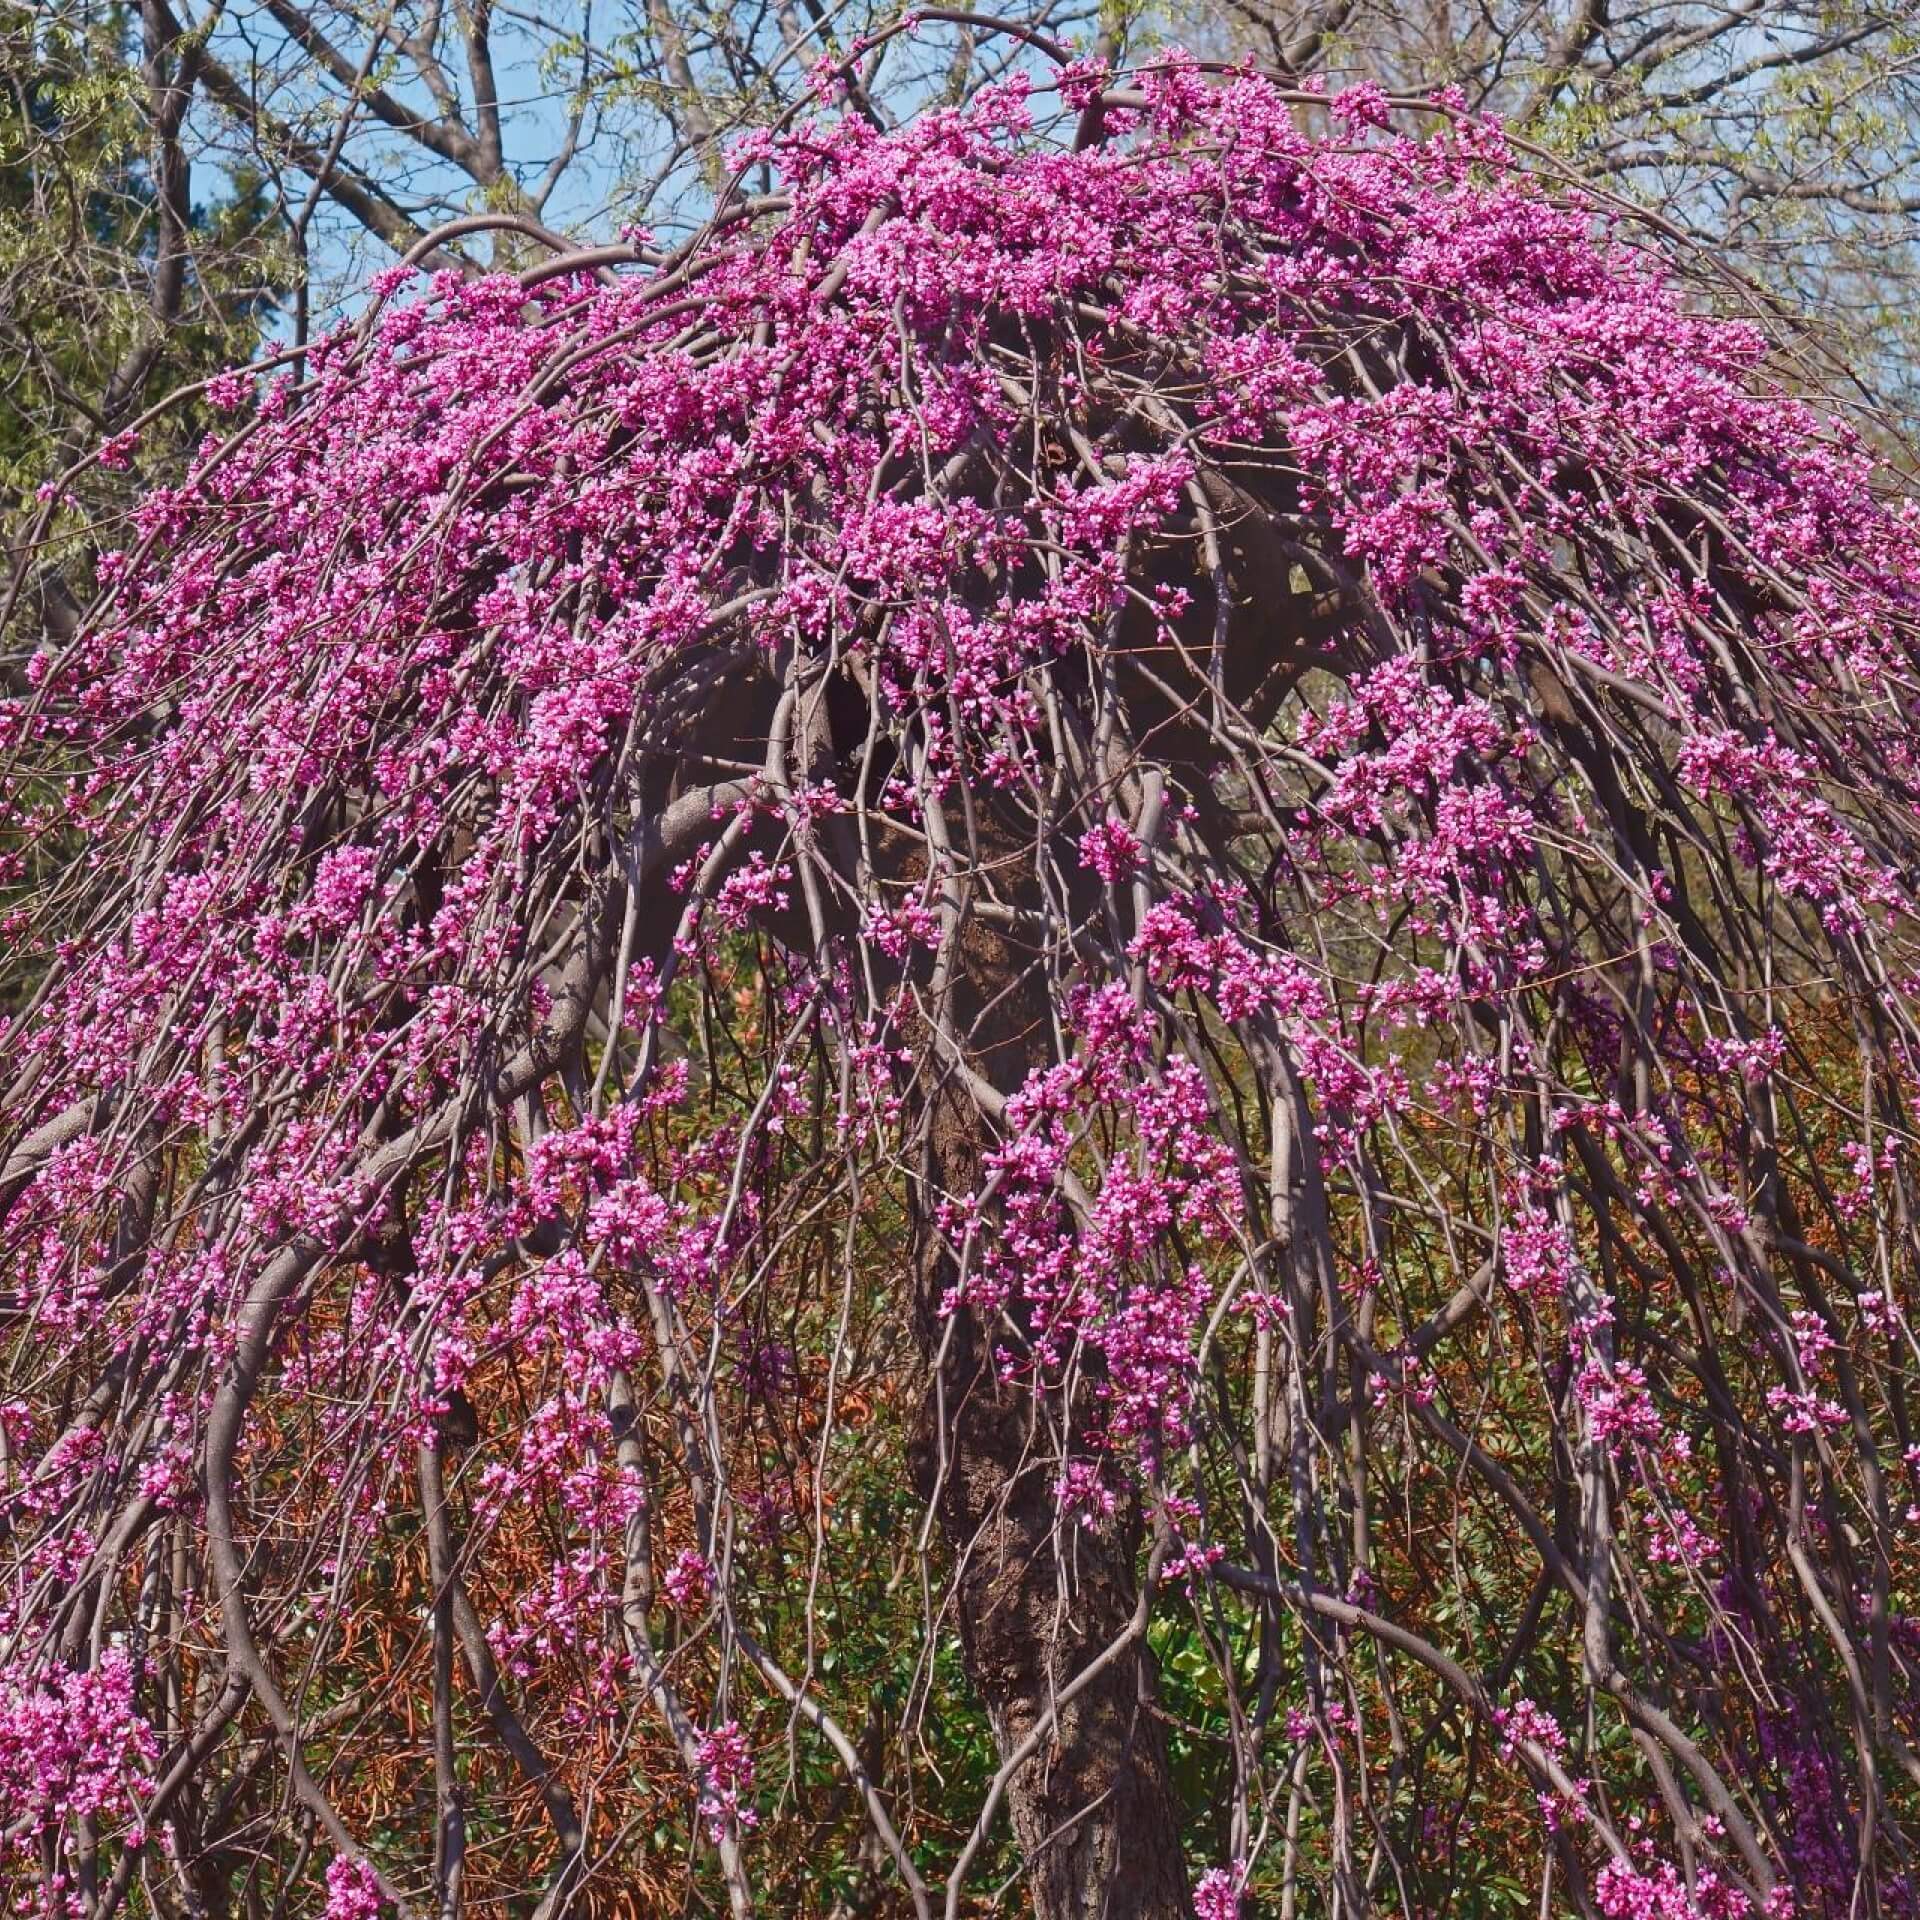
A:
[89, 336]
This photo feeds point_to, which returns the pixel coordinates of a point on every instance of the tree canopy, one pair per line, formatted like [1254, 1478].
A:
[1103, 935]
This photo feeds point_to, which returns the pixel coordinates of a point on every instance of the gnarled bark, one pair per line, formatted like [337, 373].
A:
[1040, 1597]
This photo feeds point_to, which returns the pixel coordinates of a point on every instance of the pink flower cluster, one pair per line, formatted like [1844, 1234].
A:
[724, 1762]
[73, 1747]
[352, 1891]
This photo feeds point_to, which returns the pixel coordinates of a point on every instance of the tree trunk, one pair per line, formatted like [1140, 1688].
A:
[1093, 1810]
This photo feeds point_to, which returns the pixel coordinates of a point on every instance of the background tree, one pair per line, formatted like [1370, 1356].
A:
[1786, 137]
[117, 284]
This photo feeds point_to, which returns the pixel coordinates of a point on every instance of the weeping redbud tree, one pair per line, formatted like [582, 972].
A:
[1040, 1040]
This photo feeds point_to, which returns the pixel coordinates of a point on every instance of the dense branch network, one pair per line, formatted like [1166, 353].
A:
[1231, 808]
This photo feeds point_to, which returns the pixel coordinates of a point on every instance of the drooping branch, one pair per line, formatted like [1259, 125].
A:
[1214, 821]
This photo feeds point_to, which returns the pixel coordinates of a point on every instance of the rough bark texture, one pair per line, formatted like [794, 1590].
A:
[1093, 1812]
